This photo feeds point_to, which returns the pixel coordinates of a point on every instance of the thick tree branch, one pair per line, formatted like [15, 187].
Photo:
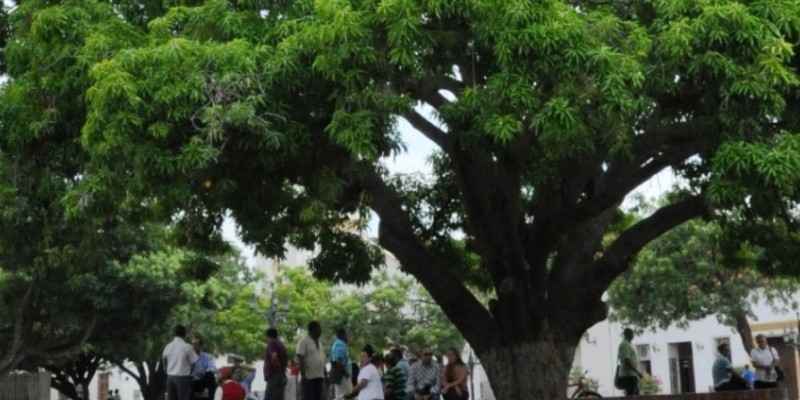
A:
[428, 129]
[68, 347]
[81, 370]
[396, 234]
[744, 331]
[21, 332]
[585, 190]
[491, 188]
[427, 89]
[619, 255]
[659, 147]
[128, 371]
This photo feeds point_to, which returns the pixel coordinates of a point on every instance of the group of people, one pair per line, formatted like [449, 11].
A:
[763, 357]
[765, 362]
[375, 377]
[192, 375]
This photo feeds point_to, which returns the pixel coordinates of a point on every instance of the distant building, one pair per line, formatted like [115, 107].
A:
[681, 359]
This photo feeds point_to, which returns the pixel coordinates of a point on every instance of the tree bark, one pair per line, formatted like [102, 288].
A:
[530, 371]
[66, 378]
[743, 327]
[150, 376]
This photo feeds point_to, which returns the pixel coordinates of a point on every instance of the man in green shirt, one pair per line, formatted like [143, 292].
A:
[628, 362]
[394, 381]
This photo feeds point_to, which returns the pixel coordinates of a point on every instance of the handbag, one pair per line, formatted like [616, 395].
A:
[780, 375]
[618, 380]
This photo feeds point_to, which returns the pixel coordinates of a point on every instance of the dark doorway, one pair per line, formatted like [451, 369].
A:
[681, 361]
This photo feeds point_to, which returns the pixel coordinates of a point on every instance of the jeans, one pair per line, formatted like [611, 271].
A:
[276, 386]
[179, 388]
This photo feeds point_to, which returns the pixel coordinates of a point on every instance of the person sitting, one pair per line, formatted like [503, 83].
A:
[229, 388]
[725, 377]
[369, 386]
[423, 377]
[203, 373]
[749, 376]
[454, 377]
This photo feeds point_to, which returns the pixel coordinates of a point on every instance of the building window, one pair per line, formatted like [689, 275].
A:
[643, 350]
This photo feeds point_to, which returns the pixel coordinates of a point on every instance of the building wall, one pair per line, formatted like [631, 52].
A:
[598, 349]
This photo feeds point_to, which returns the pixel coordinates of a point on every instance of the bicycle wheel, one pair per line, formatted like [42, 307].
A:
[589, 393]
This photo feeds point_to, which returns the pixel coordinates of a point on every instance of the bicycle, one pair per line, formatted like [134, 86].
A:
[581, 389]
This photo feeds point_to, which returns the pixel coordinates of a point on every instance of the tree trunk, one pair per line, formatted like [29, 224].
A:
[157, 385]
[743, 327]
[530, 371]
[152, 381]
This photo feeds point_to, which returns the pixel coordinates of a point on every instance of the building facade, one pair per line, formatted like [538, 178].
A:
[681, 359]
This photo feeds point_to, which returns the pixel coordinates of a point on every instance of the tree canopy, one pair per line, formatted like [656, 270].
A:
[546, 115]
[686, 275]
[391, 311]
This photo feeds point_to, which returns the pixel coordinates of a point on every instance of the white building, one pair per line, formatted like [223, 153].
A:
[682, 359]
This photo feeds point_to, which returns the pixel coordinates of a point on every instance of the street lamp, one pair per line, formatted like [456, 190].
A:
[276, 307]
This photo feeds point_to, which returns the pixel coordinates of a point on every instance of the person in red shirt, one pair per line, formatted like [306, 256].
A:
[229, 389]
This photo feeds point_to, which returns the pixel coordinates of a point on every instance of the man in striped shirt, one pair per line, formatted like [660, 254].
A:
[394, 381]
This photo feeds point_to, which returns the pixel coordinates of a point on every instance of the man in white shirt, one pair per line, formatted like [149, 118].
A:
[179, 358]
[311, 360]
[765, 359]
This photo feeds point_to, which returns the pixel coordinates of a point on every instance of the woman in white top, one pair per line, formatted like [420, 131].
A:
[369, 385]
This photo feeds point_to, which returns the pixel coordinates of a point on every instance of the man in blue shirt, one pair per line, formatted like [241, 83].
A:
[749, 376]
[725, 377]
[341, 366]
[402, 363]
[204, 380]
